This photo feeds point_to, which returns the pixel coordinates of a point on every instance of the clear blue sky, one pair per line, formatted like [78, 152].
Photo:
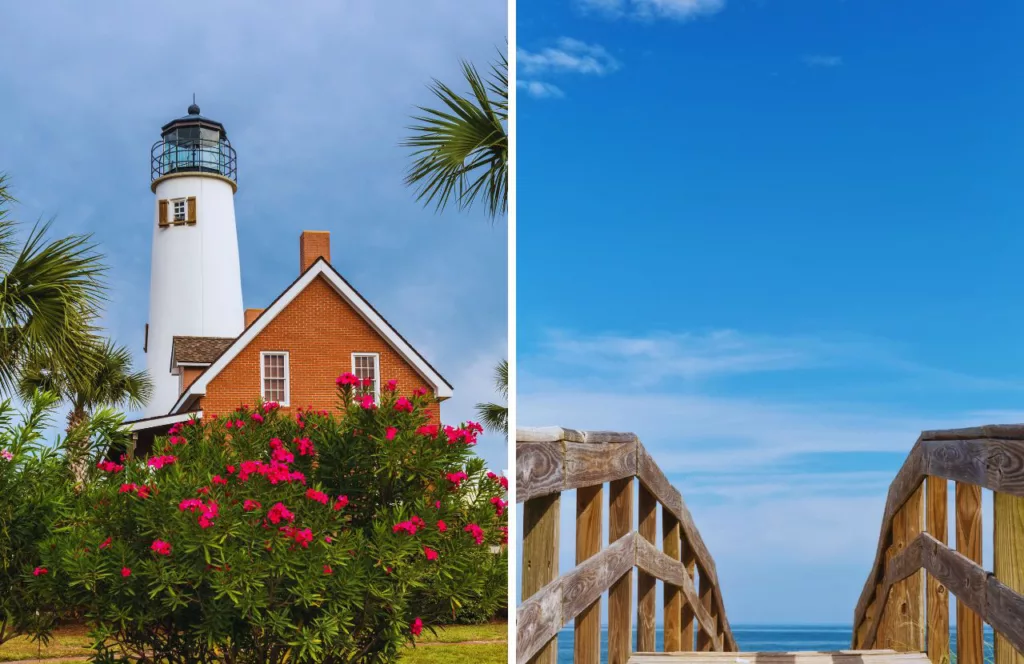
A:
[316, 103]
[776, 239]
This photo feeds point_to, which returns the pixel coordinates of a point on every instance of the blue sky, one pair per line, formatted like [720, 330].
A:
[315, 102]
[776, 239]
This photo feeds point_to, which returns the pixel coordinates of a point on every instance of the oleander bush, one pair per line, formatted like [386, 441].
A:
[266, 537]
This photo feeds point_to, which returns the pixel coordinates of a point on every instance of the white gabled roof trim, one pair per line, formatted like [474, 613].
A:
[320, 268]
[162, 421]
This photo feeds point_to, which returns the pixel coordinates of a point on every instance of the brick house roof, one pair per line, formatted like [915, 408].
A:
[198, 350]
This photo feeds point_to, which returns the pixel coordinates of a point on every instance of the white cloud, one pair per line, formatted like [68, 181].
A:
[823, 60]
[567, 56]
[540, 89]
[679, 10]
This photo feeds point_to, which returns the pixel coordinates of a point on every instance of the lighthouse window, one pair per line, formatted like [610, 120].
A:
[179, 209]
[274, 377]
[367, 367]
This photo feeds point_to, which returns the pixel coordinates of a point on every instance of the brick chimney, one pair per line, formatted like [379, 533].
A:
[313, 245]
[251, 315]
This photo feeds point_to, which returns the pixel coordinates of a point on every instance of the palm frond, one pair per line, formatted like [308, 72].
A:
[461, 149]
[493, 416]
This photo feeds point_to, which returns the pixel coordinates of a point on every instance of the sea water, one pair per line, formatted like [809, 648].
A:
[763, 638]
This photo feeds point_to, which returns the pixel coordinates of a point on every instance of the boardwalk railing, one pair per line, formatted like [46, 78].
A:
[552, 460]
[905, 602]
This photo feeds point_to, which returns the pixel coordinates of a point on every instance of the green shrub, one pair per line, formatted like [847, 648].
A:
[260, 537]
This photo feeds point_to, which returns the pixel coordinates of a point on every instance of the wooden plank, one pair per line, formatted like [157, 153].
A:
[672, 595]
[969, 643]
[913, 616]
[707, 631]
[585, 584]
[847, 657]
[938, 598]
[541, 616]
[620, 595]
[587, 464]
[540, 558]
[548, 435]
[689, 603]
[589, 531]
[659, 565]
[1004, 611]
[1008, 561]
[539, 469]
[647, 528]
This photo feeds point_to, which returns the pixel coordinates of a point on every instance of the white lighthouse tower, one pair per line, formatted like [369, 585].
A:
[195, 284]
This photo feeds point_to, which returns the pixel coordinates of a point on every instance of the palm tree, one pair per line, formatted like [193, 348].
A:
[108, 381]
[495, 416]
[50, 293]
[462, 150]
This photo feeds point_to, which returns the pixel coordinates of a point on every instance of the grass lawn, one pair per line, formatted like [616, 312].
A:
[448, 645]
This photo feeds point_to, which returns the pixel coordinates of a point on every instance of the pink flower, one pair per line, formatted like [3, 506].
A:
[230, 469]
[190, 504]
[429, 553]
[161, 547]
[229, 424]
[419, 392]
[504, 534]
[302, 537]
[437, 504]
[328, 570]
[239, 424]
[456, 478]
[442, 526]
[403, 404]
[391, 433]
[416, 627]
[318, 496]
[256, 417]
[366, 402]
[499, 505]
[270, 405]
[161, 461]
[128, 488]
[347, 378]
[428, 430]
[109, 467]
[126, 572]
[105, 543]
[305, 447]
[476, 532]
[391, 385]
[340, 503]
[406, 526]
[280, 513]
[366, 382]
[39, 571]
[503, 481]
[217, 479]
[6, 455]
[250, 505]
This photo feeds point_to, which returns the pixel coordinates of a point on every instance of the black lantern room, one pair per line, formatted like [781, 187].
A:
[193, 144]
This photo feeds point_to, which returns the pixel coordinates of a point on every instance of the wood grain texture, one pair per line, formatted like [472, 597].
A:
[1008, 561]
[990, 456]
[620, 595]
[912, 614]
[548, 435]
[672, 595]
[538, 620]
[584, 585]
[587, 464]
[540, 559]
[540, 469]
[969, 643]
[647, 528]
[937, 490]
[687, 635]
[659, 565]
[706, 631]
[843, 657]
[1004, 610]
[589, 532]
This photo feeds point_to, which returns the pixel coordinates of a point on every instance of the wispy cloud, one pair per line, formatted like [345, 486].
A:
[540, 89]
[568, 55]
[823, 60]
[678, 10]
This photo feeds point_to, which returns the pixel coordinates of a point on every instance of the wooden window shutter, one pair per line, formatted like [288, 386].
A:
[163, 214]
[191, 217]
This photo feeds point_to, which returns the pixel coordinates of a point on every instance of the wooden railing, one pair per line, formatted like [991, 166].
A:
[905, 602]
[552, 460]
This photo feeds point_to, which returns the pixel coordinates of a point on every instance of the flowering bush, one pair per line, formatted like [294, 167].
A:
[267, 537]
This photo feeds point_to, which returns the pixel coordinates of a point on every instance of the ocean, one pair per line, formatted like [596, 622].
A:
[763, 638]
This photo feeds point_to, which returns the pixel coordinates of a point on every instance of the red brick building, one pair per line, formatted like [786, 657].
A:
[293, 350]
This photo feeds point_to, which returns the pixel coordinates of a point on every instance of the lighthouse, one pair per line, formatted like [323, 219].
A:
[195, 281]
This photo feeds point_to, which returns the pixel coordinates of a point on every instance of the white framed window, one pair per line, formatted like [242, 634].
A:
[274, 381]
[179, 210]
[367, 366]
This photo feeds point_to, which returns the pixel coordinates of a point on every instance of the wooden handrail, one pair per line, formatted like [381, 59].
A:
[989, 457]
[552, 460]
